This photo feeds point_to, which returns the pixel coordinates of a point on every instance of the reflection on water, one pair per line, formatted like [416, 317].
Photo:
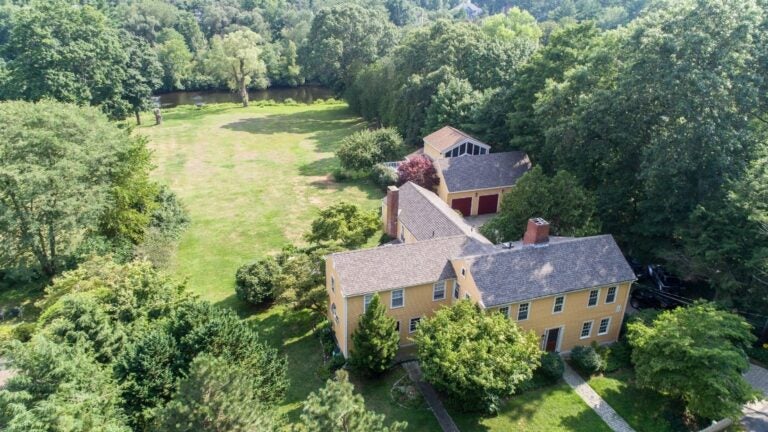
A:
[303, 94]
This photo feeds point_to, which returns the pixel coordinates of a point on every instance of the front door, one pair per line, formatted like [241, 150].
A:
[551, 343]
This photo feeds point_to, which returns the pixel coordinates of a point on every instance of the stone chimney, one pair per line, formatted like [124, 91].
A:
[537, 232]
[393, 198]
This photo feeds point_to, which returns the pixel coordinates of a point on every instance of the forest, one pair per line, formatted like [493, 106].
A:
[645, 119]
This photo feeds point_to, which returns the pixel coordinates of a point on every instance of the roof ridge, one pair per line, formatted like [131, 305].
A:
[564, 240]
[350, 252]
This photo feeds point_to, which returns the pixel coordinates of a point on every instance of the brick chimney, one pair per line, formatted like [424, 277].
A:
[537, 232]
[393, 198]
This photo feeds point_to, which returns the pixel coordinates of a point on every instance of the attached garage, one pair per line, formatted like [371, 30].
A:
[488, 204]
[463, 205]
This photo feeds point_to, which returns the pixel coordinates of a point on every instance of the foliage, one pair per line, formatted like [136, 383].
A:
[344, 223]
[217, 396]
[452, 104]
[143, 74]
[337, 407]
[618, 356]
[58, 388]
[384, 176]
[516, 23]
[302, 279]
[552, 366]
[362, 150]
[256, 282]
[568, 207]
[62, 169]
[501, 355]
[676, 353]
[169, 217]
[237, 59]
[759, 353]
[342, 40]
[419, 170]
[587, 360]
[375, 341]
[175, 58]
[66, 52]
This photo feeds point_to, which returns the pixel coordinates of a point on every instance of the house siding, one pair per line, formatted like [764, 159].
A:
[418, 303]
[447, 196]
[335, 297]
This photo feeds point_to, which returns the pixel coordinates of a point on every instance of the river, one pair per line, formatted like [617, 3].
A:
[303, 94]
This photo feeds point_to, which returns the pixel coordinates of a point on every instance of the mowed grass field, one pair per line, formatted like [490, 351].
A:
[252, 180]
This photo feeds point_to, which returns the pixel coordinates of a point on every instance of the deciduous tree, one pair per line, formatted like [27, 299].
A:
[569, 208]
[696, 354]
[56, 178]
[477, 358]
[236, 58]
[345, 223]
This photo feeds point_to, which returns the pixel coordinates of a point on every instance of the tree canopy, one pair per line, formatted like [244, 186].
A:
[696, 354]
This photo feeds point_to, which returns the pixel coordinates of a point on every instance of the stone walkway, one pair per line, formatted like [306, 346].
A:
[756, 414]
[611, 417]
[445, 420]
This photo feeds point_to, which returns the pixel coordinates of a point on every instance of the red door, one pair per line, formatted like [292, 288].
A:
[488, 204]
[463, 205]
[551, 343]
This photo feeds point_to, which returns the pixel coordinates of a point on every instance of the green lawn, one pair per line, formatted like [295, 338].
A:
[552, 408]
[378, 397]
[252, 180]
[644, 410]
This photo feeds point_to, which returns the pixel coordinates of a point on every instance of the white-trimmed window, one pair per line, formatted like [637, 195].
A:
[438, 291]
[413, 324]
[366, 301]
[333, 312]
[558, 305]
[610, 296]
[522, 311]
[333, 284]
[594, 295]
[605, 325]
[504, 310]
[586, 330]
[456, 290]
[398, 299]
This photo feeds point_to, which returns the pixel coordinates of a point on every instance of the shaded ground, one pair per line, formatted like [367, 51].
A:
[756, 413]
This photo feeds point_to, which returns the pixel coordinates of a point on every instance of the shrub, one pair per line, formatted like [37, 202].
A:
[383, 176]
[23, 332]
[552, 367]
[345, 223]
[419, 170]
[362, 150]
[255, 282]
[587, 360]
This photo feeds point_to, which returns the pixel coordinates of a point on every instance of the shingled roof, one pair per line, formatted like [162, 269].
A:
[447, 136]
[568, 264]
[427, 216]
[466, 173]
[401, 265]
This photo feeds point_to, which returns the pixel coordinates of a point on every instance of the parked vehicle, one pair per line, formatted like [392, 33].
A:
[643, 297]
[663, 281]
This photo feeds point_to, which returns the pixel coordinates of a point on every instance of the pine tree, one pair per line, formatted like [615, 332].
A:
[336, 407]
[375, 341]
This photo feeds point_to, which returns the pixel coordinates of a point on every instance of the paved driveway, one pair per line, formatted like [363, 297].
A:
[756, 414]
